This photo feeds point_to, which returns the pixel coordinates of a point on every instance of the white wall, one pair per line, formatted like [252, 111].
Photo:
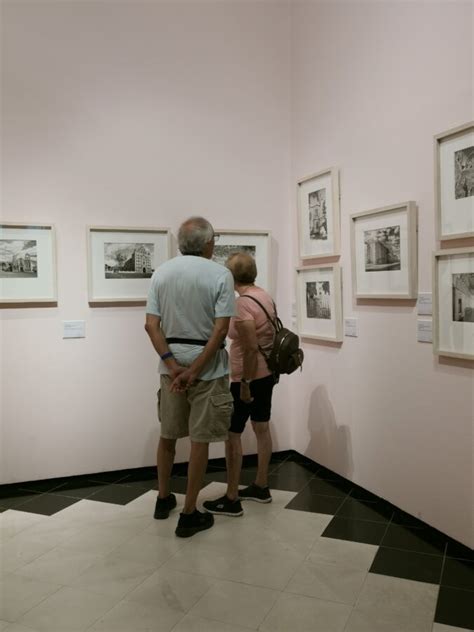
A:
[143, 113]
[372, 82]
[131, 114]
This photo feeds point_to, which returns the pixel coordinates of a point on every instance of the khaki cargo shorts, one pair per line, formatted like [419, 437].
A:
[203, 412]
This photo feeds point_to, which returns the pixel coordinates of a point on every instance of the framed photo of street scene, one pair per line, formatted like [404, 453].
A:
[27, 264]
[319, 302]
[384, 252]
[319, 215]
[453, 303]
[254, 242]
[121, 262]
[454, 183]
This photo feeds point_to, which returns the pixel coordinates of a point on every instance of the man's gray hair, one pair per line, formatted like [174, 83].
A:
[193, 236]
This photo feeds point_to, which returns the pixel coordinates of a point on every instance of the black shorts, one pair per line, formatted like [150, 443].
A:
[258, 410]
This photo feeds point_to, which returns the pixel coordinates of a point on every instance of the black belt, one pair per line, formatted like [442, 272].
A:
[189, 341]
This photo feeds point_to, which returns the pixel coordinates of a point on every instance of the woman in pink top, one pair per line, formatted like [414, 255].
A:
[251, 386]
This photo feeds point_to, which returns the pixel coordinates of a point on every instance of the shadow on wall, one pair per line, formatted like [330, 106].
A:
[329, 444]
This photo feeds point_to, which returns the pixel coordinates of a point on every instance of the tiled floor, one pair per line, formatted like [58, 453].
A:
[325, 556]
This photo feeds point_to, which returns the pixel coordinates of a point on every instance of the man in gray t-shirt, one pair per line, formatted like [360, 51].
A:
[190, 303]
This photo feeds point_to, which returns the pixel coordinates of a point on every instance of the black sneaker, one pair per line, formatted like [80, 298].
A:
[164, 506]
[224, 506]
[189, 524]
[254, 492]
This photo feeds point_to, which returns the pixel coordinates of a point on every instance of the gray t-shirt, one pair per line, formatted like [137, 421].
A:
[188, 293]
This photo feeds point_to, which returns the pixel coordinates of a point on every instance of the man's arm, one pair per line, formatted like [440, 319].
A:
[248, 339]
[153, 329]
[190, 375]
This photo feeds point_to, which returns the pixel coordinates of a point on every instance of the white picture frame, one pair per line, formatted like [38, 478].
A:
[319, 302]
[255, 242]
[453, 303]
[28, 265]
[318, 215]
[121, 261]
[454, 183]
[384, 252]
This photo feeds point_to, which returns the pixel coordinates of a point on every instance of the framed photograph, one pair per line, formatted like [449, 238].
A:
[122, 260]
[384, 252]
[453, 303]
[454, 182]
[27, 263]
[319, 215]
[319, 302]
[254, 242]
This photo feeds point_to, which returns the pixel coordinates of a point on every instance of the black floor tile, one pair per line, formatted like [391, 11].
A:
[144, 485]
[78, 488]
[362, 510]
[117, 494]
[180, 469]
[140, 474]
[246, 477]
[307, 501]
[458, 550]
[47, 485]
[455, 607]
[329, 488]
[47, 504]
[411, 539]
[359, 493]
[294, 470]
[304, 462]
[458, 574]
[285, 483]
[329, 475]
[406, 520]
[178, 484]
[355, 530]
[2, 509]
[407, 565]
[110, 477]
[12, 497]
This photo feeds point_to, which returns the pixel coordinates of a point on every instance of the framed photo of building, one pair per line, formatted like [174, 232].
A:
[27, 264]
[454, 183]
[319, 302]
[254, 242]
[121, 262]
[384, 252]
[319, 215]
[453, 303]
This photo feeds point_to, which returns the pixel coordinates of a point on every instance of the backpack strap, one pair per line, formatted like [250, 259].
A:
[273, 322]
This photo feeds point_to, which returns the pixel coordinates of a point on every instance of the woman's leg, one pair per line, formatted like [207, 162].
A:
[264, 449]
[233, 455]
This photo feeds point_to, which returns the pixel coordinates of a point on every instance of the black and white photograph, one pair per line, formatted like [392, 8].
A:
[222, 252]
[128, 261]
[18, 258]
[464, 173]
[318, 222]
[382, 249]
[318, 299]
[463, 297]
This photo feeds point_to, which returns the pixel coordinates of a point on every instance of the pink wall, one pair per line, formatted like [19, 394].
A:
[131, 114]
[143, 113]
[372, 82]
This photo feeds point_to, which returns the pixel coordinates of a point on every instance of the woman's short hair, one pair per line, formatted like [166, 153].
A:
[193, 236]
[242, 266]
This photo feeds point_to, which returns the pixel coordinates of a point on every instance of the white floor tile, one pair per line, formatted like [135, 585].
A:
[19, 594]
[304, 614]
[196, 624]
[113, 575]
[327, 581]
[13, 522]
[59, 565]
[17, 627]
[87, 513]
[236, 604]
[17, 551]
[68, 609]
[343, 552]
[171, 589]
[147, 547]
[99, 540]
[3, 625]
[387, 602]
[128, 616]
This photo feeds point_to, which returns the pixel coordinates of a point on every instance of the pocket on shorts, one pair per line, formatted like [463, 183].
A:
[158, 404]
[222, 407]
